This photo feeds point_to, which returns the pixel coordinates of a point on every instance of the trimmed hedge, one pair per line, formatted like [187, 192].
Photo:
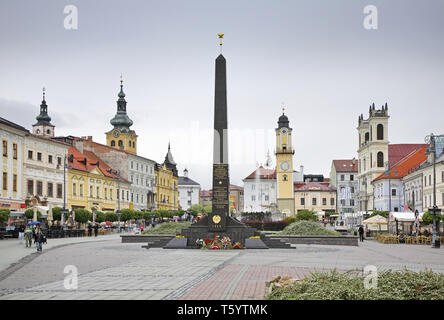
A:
[333, 285]
[305, 228]
[266, 225]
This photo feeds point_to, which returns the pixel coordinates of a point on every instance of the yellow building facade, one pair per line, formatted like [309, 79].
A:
[167, 194]
[284, 167]
[90, 184]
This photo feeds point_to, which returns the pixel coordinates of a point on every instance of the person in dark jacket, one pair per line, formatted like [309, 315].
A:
[89, 230]
[361, 233]
[39, 239]
[96, 229]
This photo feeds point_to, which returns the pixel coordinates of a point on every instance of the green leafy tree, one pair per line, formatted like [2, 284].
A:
[57, 213]
[306, 215]
[196, 208]
[427, 218]
[100, 216]
[111, 216]
[148, 215]
[126, 215]
[4, 215]
[82, 215]
[29, 214]
[207, 209]
[380, 213]
[138, 215]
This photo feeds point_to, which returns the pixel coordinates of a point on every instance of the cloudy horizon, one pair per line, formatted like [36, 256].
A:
[314, 57]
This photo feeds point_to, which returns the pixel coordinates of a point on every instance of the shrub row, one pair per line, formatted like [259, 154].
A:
[266, 225]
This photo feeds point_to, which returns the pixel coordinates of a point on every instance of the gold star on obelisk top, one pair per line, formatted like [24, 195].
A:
[221, 36]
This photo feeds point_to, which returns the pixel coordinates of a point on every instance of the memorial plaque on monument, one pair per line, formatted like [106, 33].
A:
[221, 202]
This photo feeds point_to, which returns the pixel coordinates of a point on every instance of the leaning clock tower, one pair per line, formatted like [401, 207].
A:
[121, 136]
[284, 167]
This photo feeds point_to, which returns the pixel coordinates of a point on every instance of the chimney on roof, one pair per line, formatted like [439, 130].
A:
[353, 161]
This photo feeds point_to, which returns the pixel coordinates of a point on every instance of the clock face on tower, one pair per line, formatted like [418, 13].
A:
[116, 133]
[285, 165]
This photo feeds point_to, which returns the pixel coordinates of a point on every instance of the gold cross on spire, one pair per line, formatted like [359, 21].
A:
[221, 36]
[121, 79]
[283, 107]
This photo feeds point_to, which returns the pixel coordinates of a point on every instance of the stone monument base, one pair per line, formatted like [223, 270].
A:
[234, 229]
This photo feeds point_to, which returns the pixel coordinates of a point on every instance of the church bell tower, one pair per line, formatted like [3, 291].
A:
[284, 167]
[121, 136]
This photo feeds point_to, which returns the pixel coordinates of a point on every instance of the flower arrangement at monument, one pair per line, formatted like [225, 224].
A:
[218, 243]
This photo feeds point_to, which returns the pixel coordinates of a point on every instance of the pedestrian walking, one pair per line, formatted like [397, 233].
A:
[89, 230]
[96, 229]
[39, 239]
[361, 233]
[21, 230]
[28, 237]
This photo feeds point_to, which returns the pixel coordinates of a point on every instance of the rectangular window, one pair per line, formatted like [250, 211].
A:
[30, 187]
[324, 201]
[352, 177]
[98, 192]
[5, 181]
[91, 192]
[30, 154]
[302, 201]
[313, 201]
[253, 197]
[352, 202]
[81, 190]
[123, 195]
[59, 161]
[137, 166]
[332, 201]
[14, 183]
[74, 189]
[50, 190]
[342, 202]
[342, 177]
[127, 196]
[59, 190]
[5, 148]
[394, 192]
[39, 188]
[266, 197]
[132, 197]
[352, 189]
[137, 198]
[430, 180]
[39, 156]
[14, 150]
[106, 194]
[49, 158]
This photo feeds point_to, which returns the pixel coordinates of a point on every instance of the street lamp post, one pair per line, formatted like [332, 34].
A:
[118, 212]
[434, 210]
[64, 210]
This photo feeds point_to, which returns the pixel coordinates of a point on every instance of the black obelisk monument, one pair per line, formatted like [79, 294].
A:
[221, 182]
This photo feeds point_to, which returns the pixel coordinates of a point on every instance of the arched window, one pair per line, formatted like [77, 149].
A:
[120, 144]
[380, 132]
[380, 159]
[129, 144]
[134, 145]
[113, 143]
[367, 137]
[285, 177]
[371, 160]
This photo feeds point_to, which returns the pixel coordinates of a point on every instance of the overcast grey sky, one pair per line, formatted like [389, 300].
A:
[313, 55]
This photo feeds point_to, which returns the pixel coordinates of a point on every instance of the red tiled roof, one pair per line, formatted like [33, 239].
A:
[92, 162]
[235, 187]
[312, 186]
[262, 173]
[402, 168]
[205, 193]
[396, 152]
[346, 165]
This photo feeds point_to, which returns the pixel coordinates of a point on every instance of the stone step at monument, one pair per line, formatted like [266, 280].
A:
[276, 243]
[158, 242]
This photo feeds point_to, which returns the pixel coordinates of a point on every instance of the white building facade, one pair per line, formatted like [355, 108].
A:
[141, 176]
[188, 191]
[12, 137]
[260, 193]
